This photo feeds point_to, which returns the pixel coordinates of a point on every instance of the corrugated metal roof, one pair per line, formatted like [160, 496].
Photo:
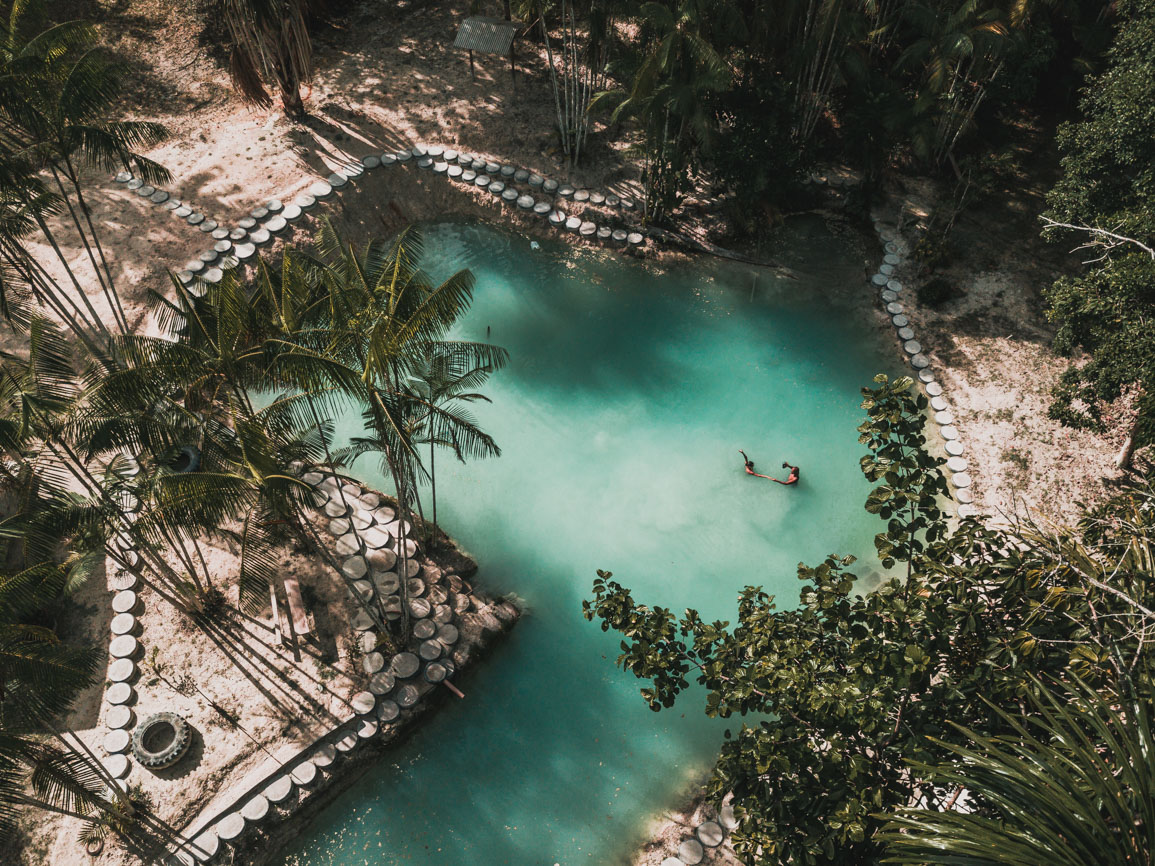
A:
[487, 35]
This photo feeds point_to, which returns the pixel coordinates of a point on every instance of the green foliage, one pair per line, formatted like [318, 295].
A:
[1106, 198]
[840, 696]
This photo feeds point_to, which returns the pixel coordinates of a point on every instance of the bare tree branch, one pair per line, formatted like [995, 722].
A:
[1100, 238]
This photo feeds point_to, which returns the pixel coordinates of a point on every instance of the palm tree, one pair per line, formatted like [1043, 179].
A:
[270, 41]
[440, 389]
[1072, 783]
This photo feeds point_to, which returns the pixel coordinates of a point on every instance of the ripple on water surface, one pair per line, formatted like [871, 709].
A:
[628, 394]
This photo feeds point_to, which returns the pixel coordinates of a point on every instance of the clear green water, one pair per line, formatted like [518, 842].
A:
[628, 394]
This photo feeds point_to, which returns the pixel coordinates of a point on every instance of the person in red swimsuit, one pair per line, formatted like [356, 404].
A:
[750, 466]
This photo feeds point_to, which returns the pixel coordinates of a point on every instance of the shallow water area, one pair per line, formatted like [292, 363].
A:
[629, 391]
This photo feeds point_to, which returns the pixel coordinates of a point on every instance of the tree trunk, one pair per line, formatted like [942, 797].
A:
[1123, 459]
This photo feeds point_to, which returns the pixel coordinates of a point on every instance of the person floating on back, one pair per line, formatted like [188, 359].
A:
[750, 466]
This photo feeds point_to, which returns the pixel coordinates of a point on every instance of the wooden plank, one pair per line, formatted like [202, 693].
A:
[300, 616]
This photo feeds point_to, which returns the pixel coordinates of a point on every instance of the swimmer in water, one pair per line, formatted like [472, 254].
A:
[792, 478]
[750, 466]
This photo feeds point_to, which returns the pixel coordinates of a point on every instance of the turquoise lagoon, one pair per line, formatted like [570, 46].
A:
[620, 415]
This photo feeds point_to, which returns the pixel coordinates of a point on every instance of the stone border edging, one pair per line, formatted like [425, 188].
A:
[889, 290]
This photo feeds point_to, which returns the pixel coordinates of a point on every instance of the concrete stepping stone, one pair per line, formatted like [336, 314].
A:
[209, 256]
[549, 185]
[542, 208]
[894, 285]
[123, 177]
[213, 275]
[304, 774]
[508, 171]
[291, 213]
[339, 526]
[566, 190]
[355, 567]
[440, 167]
[320, 190]
[508, 193]
[134, 184]
[912, 347]
[407, 696]
[158, 196]
[957, 464]
[347, 743]
[888, 270]
[279, 789]
[371, 162]
[231, 826]
[587, 228]
[118, 716]
[879, 279]
[363, 589]
[525, 202]
[424, 629]
[483, 181]
[381, 560]
[382, 682]
[375, 538]
[123, 646]
[361, 518]
[337, 180]
[934, 389]
[388, 159]
[122, 623]
[938, 404]
[891, 258]
[124, 601]
[905, 333]
[430, 650]
[222, 246]
[925, 375]
[557, 217]
[468, 175]
[336, 508]
[420, 607]
[118, 693]
[447, 634]
[954, 448]
[121, 670]
[437, 594]
[454, 171]
[597, 198]
[404, 665]
[347, 545]
[276, 225]
[535, 180]
[573, 224]
[450, 155]
[256, 809]
[604, 233]
[373, 662]
[305, 201]
[727, 818]
[888, 296]
[442, 614]
[415, 587]
[964, 496]
[425, 162]
[367, 729]
[619, 235]
[634, 238]
[324, 755]
[370, 501]
[949, 432]
[891, 247]
[247, 223]
[961, 480]
[117, 741]
[206, 845]
[362, 621]
[259, 213]
[710, 834]
[967, 510]
[259, 237]
[117, 765]
[691, 852]
[613, 200]
[208, 226]
[919, 361]
[388, 710]
[184, 211]
[944, 417]
[172, 204]
[388, 583]
[671, 861]
[581, 195]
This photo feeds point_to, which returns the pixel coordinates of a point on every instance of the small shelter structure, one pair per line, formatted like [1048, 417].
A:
[488, 36]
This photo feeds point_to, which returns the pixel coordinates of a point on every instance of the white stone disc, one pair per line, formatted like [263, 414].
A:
[381, 683]
[573, 223]
[116, 741]
[279, 789]
[619, 235]
[925, 376]
[634, 238]
[967, 510]
[375, 537]
[256, 809]
[335, 508]
[118, 693]
[710, 834]
[347, 742]
[320, 189]
[370, 500]
[122, 647]
[454, 171]
[954, 449]
[117, 766]
[964, 495]
[430, 650]
[324, 755]
[424, 629]
[671, 861]
[362, 519]
[906, 333]
[587, 228]
[691, 852]
[367, 641]
[123, 580]
[938, 404]
[124, 601]
[919, 361]
[879, 279]
[407, 696]
[949, 432]
[355, 567]
[912, 347]
[373, 662]
[205, 846]
[347, 545]
[525, 202]
[604, 232]
[894, 308]
[121, 670]
[946, 416]
[894, 285]
[437, 594]
[442, 614]
[388, 710]
[381, 560]
[412, 566]
[888, 296]
[420, 607]
[899, 321]
[447, 634]
[404, 665]
[415, 587]
[362, 621]
[304, 773]
[384, 514]
[933, 388]
[119, 716]
[956, 464]
[352, 491]
[123, 623]
[231, 826]
[388, 583]
[363, 589]
[888, 270]
[961, 480]
[891, 258]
